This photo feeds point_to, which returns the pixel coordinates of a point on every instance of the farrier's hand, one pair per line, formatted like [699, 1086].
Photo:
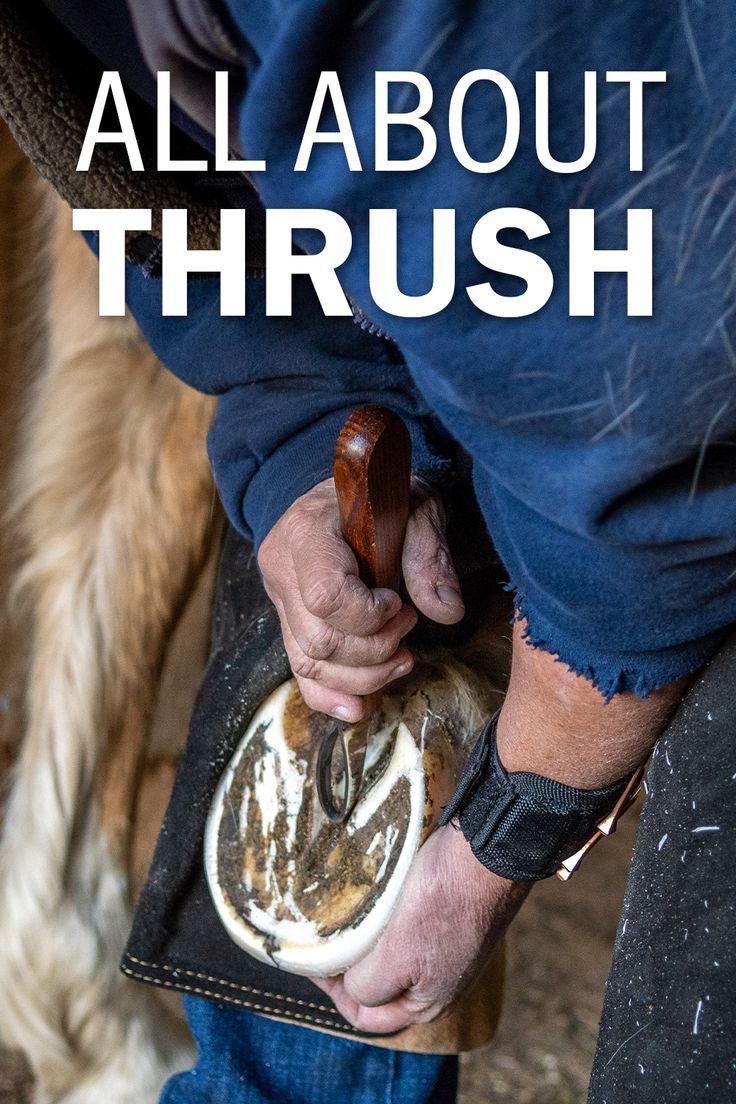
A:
[452, 910]
[451, 914]
[343, 639]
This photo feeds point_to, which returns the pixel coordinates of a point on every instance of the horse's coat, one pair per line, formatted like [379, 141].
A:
[112, 506]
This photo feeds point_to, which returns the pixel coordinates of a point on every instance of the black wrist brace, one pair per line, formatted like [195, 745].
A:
[522, 825]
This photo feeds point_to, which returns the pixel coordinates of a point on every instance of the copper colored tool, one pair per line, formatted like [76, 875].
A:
[372, 469]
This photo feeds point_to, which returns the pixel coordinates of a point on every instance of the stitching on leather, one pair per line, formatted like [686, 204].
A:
[229, 984]
[224, 997]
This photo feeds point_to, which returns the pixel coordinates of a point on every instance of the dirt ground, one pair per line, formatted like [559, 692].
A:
[559, 952]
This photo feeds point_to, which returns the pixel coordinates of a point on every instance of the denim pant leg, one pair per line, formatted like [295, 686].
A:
[248, 1059]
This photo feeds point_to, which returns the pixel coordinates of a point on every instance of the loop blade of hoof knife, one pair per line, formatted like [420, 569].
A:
[372, 469]
[353, 741]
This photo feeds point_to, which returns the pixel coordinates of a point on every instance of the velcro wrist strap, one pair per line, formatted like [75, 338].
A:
[522, 825]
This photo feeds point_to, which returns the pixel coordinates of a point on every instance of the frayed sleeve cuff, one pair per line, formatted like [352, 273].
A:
[615, 672]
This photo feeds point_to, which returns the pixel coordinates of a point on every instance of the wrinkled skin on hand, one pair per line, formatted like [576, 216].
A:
[344, 640]
[451, 915]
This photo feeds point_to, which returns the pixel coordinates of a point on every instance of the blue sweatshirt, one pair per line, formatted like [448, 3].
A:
[603, 446]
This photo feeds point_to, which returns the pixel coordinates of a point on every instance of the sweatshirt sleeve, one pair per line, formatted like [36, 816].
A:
[285, 387]
[604, 446]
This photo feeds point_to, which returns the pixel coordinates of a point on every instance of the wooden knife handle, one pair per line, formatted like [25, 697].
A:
[372, 470]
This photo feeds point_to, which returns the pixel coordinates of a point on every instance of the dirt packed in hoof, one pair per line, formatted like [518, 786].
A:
[297, 866]
[329, 876]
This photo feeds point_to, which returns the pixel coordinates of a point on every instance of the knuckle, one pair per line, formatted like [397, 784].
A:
[304, 667]
[433, 546]
[427, 539]
[322, 642]
[382, 649]
[431, 556]
[325, 597]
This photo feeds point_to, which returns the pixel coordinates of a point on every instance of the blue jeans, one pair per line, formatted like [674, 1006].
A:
[248, 1059]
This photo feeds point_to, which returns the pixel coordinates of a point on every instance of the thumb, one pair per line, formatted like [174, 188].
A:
[429, 573]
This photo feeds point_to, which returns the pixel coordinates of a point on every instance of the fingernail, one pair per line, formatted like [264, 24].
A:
[449, 596]
[342, 713]
[402, 669]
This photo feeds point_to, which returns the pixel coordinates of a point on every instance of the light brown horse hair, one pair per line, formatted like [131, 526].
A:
[113, 517]
[112, 507]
